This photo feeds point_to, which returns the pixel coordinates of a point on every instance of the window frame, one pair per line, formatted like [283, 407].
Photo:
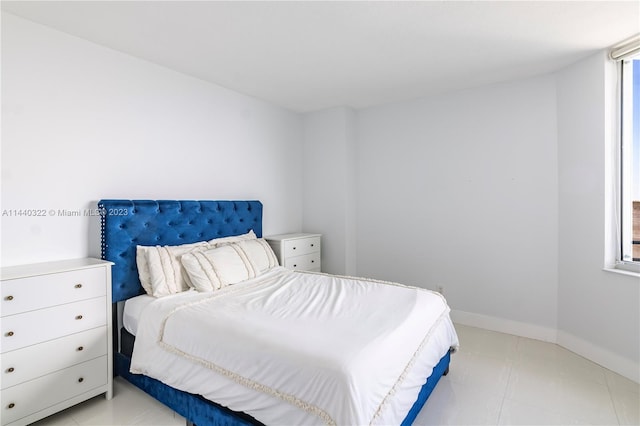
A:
[624, 209]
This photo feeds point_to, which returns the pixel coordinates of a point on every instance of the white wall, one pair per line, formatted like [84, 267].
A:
[81, 122]
[498, 195]
[329, 205]
[460, 190]
[598, 311]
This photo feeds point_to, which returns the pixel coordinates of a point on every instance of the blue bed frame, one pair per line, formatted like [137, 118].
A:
[128, 223]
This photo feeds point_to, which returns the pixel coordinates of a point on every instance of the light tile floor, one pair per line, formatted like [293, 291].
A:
[495, 379]
[500, 379]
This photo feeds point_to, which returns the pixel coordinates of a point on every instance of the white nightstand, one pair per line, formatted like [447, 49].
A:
[297, 251]
[56, 342]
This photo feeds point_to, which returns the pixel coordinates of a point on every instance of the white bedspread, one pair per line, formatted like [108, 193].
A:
[293, 348]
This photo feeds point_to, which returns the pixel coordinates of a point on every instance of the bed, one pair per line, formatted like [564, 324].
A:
[167, 325]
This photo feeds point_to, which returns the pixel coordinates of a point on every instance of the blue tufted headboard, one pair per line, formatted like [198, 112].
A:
[128, 223]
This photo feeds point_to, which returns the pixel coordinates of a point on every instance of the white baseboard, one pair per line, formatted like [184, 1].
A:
[607, 359]
[505, 326]
[616, 363]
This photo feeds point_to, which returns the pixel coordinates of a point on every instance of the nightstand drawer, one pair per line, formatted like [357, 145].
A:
[27, 294]
[43, 392]
[301, 246]
[307, 262]
[38, 360]
[46, 324]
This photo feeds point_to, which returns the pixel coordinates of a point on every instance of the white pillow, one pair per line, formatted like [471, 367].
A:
[260, 255]
[233, 239]
[159, 267]
[165, 270]
[143, 268]
[228, 264]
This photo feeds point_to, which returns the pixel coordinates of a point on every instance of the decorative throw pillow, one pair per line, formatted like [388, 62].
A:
[160, 270]
[165, 270]
[151, 272]
[228, 264]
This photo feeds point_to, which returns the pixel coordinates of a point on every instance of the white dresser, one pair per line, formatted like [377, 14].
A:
[297, 251]
[56, 342]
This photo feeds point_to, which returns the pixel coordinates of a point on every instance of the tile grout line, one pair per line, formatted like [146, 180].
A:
[613, 402]
[506, 389]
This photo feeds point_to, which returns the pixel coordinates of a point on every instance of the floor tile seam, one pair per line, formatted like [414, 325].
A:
[551, 410]
[568, 377]
[506, 388]
[554, 344]
[619, 387]
[613, 402]
[572, 381]
[586, 361]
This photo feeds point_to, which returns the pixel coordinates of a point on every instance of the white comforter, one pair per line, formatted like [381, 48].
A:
[295, 348]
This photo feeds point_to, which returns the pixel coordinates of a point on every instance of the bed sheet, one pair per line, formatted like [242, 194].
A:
[133, 311]
[299, 348]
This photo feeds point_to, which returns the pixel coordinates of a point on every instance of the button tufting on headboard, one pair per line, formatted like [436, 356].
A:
[127, 223]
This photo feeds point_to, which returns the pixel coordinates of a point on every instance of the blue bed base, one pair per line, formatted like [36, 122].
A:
[127, 223]
[196, 409]
[441, 369]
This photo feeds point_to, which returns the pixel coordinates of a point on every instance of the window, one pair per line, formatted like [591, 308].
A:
[630, 160]
[628, 56]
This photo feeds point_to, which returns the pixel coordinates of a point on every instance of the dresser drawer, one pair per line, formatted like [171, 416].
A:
[307, 262]
[38, 326]
[301, 246]
[46, 391]
[38, 360]
[30, 293]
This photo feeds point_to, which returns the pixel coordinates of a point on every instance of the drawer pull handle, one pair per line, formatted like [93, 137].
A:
[11, 405]
[8, 298]
[81, 379]
[78, 317]
[294, 248]
[80, 348]
[295, 266]
[78, 286]
[9, 334]
[311, 245]
[10, 370]
[313, 261]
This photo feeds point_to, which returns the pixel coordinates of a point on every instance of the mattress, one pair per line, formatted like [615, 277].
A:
[298, 348]
[133, 309]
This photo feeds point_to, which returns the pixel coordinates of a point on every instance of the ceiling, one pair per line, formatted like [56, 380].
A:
[307, 56]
